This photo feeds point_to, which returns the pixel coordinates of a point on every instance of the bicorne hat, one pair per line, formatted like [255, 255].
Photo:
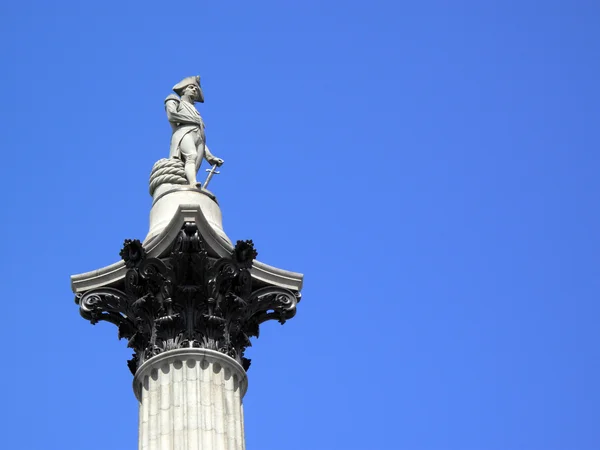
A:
[180, 87]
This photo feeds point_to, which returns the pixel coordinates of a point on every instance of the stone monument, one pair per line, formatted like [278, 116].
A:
[187, 300]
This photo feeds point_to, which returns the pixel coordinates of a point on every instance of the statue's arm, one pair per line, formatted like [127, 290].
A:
[176, 117]
[207, 153]
[212, 159]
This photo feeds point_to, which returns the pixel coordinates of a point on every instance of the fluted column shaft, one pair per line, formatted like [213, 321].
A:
[191, 399]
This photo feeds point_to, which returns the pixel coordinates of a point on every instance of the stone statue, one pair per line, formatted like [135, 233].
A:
[188, 142]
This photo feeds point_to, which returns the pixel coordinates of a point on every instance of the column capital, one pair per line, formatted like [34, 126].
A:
[188, 299]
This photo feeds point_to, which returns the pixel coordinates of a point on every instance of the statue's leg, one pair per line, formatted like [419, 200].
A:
[187, 146]
[200, 154]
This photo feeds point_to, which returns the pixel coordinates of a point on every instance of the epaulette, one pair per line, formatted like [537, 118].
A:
[173, 97]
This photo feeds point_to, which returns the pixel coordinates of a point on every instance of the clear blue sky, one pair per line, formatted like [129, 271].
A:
[431, 166]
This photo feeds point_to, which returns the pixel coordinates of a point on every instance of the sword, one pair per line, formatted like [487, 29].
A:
[212, 171]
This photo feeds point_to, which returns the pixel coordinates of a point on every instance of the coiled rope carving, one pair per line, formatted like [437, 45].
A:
[167, 170]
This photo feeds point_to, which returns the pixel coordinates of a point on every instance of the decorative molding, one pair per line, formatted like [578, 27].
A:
[182, 356]
[188, 299]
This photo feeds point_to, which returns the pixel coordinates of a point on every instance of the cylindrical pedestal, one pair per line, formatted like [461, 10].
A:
[168, 197]
[191, 399]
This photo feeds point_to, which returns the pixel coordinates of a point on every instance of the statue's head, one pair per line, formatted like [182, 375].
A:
[190, 87]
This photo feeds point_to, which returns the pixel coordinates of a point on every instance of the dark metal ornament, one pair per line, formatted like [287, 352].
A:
[188, 299]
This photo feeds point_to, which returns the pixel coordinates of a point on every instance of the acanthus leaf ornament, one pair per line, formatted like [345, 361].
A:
[132, 252]
[188, 299]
